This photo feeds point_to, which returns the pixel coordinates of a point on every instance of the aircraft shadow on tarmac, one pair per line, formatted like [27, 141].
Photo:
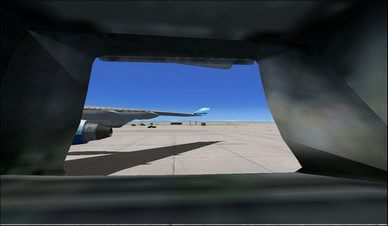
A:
[116, 161]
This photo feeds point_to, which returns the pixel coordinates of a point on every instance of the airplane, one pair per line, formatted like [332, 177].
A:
[97, 122]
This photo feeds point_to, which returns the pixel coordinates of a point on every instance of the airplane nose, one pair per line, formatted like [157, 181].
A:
[103, 132]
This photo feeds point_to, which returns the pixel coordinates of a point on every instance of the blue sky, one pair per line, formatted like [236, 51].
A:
[234, 94]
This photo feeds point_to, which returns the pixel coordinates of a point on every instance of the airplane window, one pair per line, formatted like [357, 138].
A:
[176, 116]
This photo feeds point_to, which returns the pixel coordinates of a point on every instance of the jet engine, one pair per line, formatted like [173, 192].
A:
[89, 131]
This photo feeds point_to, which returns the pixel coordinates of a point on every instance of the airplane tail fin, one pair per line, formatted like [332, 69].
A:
[202, 111]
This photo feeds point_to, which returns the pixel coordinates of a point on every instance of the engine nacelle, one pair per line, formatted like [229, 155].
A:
[88, 131]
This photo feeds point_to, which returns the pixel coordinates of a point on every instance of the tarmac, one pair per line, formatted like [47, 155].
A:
[235, 148]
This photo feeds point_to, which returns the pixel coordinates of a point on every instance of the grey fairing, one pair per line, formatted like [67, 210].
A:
[42, 95]
[329, 100]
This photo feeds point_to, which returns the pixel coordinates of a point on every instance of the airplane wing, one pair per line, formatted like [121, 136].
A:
[200, 112]
[164, 113]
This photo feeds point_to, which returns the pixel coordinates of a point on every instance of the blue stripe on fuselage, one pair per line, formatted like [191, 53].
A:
[78, 139]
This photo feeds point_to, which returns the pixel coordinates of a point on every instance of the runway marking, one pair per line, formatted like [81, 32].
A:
[246, 158]
[173, 165]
